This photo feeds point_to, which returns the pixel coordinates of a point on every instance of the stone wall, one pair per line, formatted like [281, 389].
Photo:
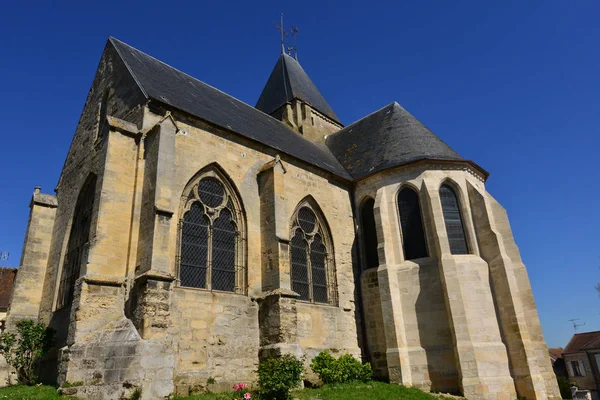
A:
[444, 327]
[307, 121]
[374, 325]
[128, 305]
[216, 335]
[586, 381]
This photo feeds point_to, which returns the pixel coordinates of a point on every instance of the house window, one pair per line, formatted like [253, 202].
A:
[310, 257]
[211, 237]
[369, 233]
[77, 246]
[453, 220]
[413, 235]
[577, 368]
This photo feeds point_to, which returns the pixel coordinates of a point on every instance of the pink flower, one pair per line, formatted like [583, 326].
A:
[247, 396]
[239, 387]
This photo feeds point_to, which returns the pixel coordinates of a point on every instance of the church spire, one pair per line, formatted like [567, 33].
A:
[289, 81]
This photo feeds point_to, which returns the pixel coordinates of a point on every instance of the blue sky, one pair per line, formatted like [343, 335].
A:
[512, 85]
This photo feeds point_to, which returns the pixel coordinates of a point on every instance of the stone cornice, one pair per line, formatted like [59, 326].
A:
[437, 164]
[43, 199]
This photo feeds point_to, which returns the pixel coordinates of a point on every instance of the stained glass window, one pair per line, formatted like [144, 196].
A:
[453, 220]
[210, 239]
[413, 235]
[309, 258]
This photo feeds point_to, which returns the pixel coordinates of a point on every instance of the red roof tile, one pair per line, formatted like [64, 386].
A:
[583, 341]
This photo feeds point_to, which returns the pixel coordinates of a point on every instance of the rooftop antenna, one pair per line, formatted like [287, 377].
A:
[283, 34]
[575, 325]
[4, 256]
[294, 31]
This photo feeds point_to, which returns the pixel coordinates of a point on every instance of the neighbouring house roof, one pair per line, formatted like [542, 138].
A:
[161, 82]
[288, 81]
[555, 353]
[583, 341]
[386, 138]
[7, 281]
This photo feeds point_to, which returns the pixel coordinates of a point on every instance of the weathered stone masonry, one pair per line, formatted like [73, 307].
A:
[461, 323]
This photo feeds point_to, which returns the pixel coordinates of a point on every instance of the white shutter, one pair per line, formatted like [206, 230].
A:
[569, 369]
[581, 368]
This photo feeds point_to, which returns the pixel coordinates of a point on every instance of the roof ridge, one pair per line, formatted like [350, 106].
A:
[186, 74]
[112, 39]
[586, 333]
[361, 119]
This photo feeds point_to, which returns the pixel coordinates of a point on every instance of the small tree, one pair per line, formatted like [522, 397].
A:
[276, 376]
[24, 349]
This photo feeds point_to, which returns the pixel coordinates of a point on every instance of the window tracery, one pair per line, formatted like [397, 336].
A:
[453, 220]
[211, 236]
[311, 263]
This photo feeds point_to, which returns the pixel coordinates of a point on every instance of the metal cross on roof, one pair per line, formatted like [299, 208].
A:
[283, 34]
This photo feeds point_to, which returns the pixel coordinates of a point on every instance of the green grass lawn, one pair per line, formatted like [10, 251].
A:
[350, 391]
[30, 393]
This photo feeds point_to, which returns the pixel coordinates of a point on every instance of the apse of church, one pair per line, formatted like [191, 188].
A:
[192, 235]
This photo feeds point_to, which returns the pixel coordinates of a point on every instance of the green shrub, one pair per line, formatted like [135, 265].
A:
[276, 376]
[341, 370]
[23, 350]
[565, 387]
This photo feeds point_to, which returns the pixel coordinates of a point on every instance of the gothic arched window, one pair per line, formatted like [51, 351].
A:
[77, 246]
[369, 232]
[413, 235]
[453, 220]
[310, 257]
[211, 234]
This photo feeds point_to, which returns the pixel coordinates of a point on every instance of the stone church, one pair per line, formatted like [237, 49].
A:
[192, 235]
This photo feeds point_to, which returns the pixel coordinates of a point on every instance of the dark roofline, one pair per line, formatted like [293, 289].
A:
[259, 144]
[322, 158]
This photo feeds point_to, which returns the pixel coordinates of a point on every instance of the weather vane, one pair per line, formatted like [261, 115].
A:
[294, 32]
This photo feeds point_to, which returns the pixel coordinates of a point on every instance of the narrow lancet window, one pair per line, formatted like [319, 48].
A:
[211, 237]
[78, 244]
[453, 220]
[369, 233]
[312, 277]
[413, 235]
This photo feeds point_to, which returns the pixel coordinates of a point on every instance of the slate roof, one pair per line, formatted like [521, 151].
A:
[168, 85]
[288, 81]
[386, 138]
[583, 341]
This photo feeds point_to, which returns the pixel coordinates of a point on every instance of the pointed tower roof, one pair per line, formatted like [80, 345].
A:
[288, 81]
[387, 138]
